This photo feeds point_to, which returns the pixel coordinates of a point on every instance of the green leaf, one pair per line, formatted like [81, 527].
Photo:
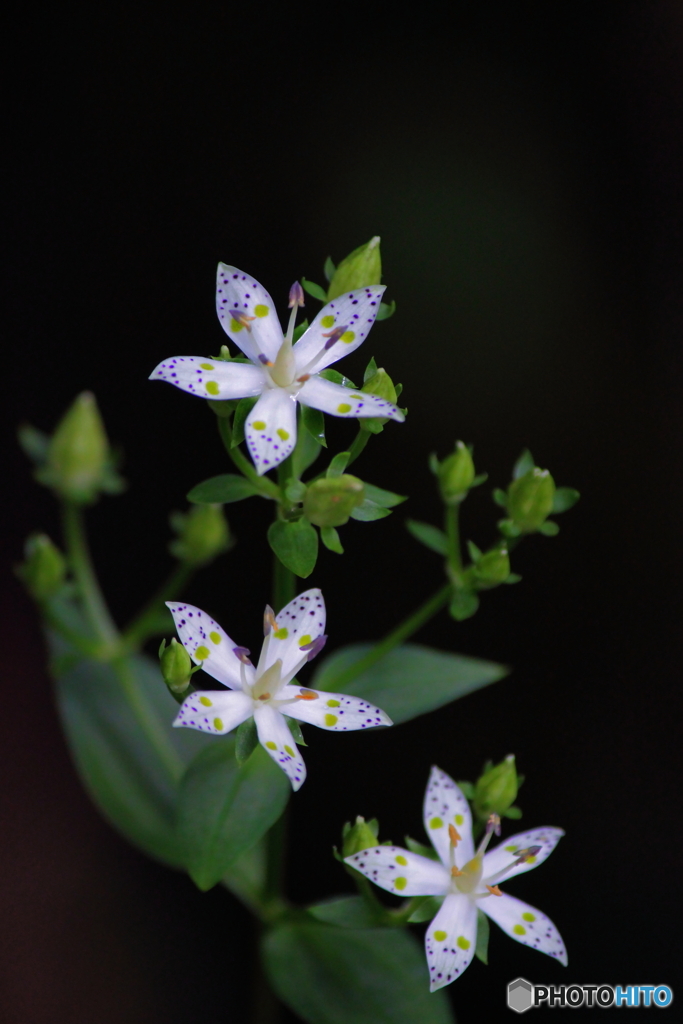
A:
[33, 442]
[514, 577]
[244, 407]
[222, 490]
[337, 378]
[314, 289]
[368, 511]
[295, 491]
[475, 553]
[427, 911]
[131, 772]
[345, 912]
[295, 729]
[370, 370]
[329, 269]
[514, 813]
[372, 424]
[523, 464]
[333, 975]
[330, 539]
[338, 464]
[246, 741]
[314, 422]
[549, 528]
[224, 810]
[386, 310]
[482, 948]
[410, 680]
[464, 604]
[305, 453]
[431, 536]
[564, 499]
[296, 545]
[467, 789]
[421, 848]
[385, 499]
[500, 497]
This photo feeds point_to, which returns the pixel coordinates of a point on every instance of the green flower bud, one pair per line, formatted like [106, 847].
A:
[331, 500]
[361, 836]
[456, 474]
[492, 568]
[382, 385]
[203, 533]
[530, 499]
[496, 789]
[176, 666]
[361, 267]
[78, 453]
[44, 570]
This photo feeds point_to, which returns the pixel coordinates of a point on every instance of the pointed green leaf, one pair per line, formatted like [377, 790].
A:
[500, 498]
[336, 377]
[330, 539]
[224, 810]
[314, 289]
[421, 848]
[246, 741]
[222, 490]
[370, 370]
[385, 499]
[549, 528]
[331, 975]
[474, 552]
[296, 545]
[464, 604]
[314, 422]
[34, 443]
[329, 269]
[564, 499]
[482, 948]
[431, 536]
[428, 910]
[244, 407]
[368, 511]
[408, 681]
[344, 912]
[338, 464]
[295, 729]
[386, 310]
[523, 464]
[305, 453]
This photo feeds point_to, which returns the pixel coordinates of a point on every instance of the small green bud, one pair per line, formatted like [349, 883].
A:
[456, 474]
[361, 836]
[44, 570]
[176, 666]
[382, 385]
[495, 790]
[331, 500]
[78, 453]
[492, 568]
[361, 267]
[203, 533]
[530, 499]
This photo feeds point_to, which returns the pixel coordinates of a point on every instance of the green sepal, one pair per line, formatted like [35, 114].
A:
[523, 464]
[329, 269]
[244, 407]
[344, 912]
[500, 497]
[386, 310]
[467, 789]
[427, 911]
[549, 528]
[479, 479]
[368, 511]
[246, 741]
[410, 680]
[508, 528]
[306, 451]
[370, 370]
[314, 422]
[34, 443]
[330, 539]
[224, 810]
[421, 848]
[514, 577]
[464, 604]
[431, 536]
[329, 975]
[515, 813]
[337, 378]
[474, 552]
[296, 731]
[385, 499]
[295, 542]
[223, 490]
[482, 948]
[338, 464]
[564, 499]
[314, 289]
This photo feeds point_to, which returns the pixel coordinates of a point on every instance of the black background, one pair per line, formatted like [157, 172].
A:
[522, 164]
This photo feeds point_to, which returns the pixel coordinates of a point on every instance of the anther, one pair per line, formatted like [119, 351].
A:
[315, 646]
[494, 890]
[264, 359]
[269, 620]
[493, 825]
[303, 378]
[333, 336]
[242, 653]
[242, 318]
[456, 872]
[304, 694]
[296, 295]
[264, 696]
[453, 835]
[525, 855]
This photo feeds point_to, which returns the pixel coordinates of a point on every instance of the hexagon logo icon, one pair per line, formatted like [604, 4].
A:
[520, 995]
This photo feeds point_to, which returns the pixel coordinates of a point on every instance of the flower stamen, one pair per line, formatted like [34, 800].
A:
[494, 890]
[304, 694]
[454, 836]
[242, 318]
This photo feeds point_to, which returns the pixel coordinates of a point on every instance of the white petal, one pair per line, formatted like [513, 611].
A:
[401, 872]
[238, 291]
[526, 924]
[215, 711]
[210, 378]
[274, 735]
[445, 805]
[336, 712]
[271, 428]
[340, 401]
[208, 644]
[451, 940]
[355, 311]
[503, 856]
[299, 623]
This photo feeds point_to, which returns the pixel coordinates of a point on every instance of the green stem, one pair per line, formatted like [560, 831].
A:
[156, 733]
[87, 647]
[404, 630]
[265, 486]
[359, 443]
[453, 535]
[143, 625]
[81, 565]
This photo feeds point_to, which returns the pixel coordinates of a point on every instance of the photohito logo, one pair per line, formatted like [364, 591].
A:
[522, 995]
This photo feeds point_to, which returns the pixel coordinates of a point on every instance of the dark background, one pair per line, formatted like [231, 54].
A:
[522, 164]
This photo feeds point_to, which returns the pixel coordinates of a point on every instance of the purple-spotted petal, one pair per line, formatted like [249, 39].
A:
[215, 711]
[450, 940]
[340, 401]
[210, 378]
[299, 623]
[247, 313]
[355, 312]
[276, 739]
[444, 805]
[525, 924]
[503, 857]
[208, 644]
[401, 872]
[271, 429]
[336, 712]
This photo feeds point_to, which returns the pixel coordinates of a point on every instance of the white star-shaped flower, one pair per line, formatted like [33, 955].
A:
[266, 692]
[467, 878]
[281, 373]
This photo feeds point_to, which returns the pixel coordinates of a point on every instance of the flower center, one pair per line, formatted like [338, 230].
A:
[267, 685]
